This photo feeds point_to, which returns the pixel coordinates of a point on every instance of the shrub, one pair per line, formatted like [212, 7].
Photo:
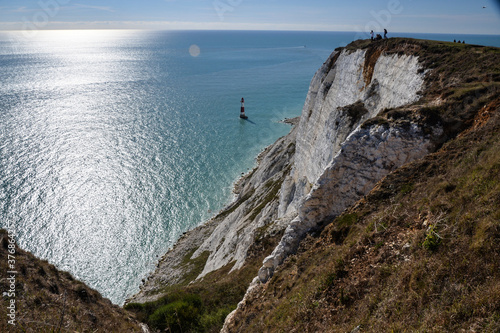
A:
[179, 316]
[212, 320]
[432, 239]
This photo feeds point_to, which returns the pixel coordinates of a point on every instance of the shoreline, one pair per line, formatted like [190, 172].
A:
[178, 257]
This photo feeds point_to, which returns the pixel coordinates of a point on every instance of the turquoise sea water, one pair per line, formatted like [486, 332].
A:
[113, 143]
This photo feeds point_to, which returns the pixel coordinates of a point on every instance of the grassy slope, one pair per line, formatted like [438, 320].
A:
[421, 253]
[49, 300]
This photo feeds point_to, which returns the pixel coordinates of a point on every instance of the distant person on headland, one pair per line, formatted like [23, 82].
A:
[371, 34]
[385, 33]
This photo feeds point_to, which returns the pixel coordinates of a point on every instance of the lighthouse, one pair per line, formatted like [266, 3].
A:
[242, 113]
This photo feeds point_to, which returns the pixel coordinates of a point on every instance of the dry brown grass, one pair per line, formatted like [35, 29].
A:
[49, 300]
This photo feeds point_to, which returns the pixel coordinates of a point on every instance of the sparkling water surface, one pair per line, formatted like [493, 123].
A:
[113, 143]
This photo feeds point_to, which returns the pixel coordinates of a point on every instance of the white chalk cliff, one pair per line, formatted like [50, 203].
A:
[336, 154]
[336, 160]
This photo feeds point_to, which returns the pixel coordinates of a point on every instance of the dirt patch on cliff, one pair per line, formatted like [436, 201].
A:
[484, 114]
[371, 57]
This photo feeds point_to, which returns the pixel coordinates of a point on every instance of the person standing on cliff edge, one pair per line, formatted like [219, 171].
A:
[371, 34]
[385, 33]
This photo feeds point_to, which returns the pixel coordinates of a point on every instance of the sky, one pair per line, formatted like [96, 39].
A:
[424, 16]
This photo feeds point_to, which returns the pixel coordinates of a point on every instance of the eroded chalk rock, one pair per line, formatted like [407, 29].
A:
[367, 155]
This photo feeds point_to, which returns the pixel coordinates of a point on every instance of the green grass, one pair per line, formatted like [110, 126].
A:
[223, 214]
[432, 239]
[194, 266]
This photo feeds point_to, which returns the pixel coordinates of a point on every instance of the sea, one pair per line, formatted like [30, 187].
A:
[115, 142]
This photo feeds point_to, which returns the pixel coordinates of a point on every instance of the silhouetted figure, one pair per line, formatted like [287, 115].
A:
[371, 34]
[454, 41]
[463, 42]
[379, 37]
[385, 33]
[459, 41]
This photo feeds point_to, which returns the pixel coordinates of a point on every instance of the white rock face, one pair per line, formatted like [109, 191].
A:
[337, 162]
[366, 156]
[234, 235]
[324, 126]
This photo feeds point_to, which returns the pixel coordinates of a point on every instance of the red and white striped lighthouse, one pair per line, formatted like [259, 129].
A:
[242, 113]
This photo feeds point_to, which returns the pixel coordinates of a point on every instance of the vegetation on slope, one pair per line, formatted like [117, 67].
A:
[49, 300]
[421, 252]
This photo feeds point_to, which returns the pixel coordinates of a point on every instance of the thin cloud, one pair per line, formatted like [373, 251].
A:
[447, 17]
[23, 9]
[101, 8]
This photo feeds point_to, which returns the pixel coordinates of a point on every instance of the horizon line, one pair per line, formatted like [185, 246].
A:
[236, 29]
[27, 25]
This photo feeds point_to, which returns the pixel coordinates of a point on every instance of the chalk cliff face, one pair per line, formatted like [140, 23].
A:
[233, 236]
[373, 80]
[331, 158]
[334, 159]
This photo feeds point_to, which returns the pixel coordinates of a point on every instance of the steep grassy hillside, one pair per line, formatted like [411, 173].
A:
[49, 300]
[421, 253]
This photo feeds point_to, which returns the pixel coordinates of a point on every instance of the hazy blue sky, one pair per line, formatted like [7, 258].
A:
[441, 16]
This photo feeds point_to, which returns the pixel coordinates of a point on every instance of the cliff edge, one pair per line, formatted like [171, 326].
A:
[37, 297]
[345, 197]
